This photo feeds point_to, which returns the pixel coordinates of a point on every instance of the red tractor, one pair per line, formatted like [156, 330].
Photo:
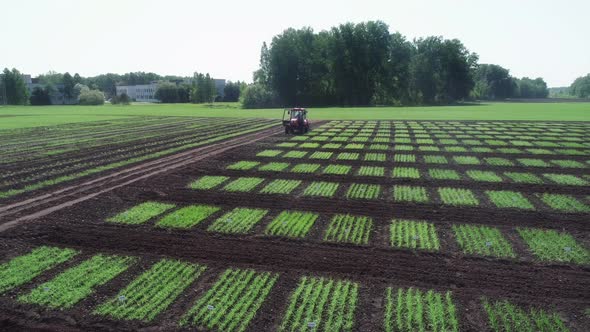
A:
[295, 121]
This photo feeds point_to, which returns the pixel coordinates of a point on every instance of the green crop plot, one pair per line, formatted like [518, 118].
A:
[432, 159]
[505, 316]
[331, 146]
[76, 283]
[509, 199]
[187, 217]
[23, 269]
[568, 163]
[378, 147]
[456, 149]
[232, 302]
[309, 145]
[305, 168]
[243, 184]
[457, 197]
[564, 203]
[403, 148]
[152, 292]
[354, 146]
[321, 155]
[404, 158]
[287, 144]
[243, 165]
[337, 169]
[520, 177]
[375, 157]
[349, 229]
[141, 213]
[280, 186]
[269, 153]
[274, 167]
[414, 235]
[467, 160]
[444, 174]
[321, 304]
[321, 189]
[363, 191]
[566, 179]
[406, 173]
[348, 156]
[411, 310]
[429, 148]
[371, 171]
[410, 194]
[549, 245]
[238, 221]
[482, 240]
[530, 162]
[484, 176]
[295, 154]
[207, 182]
[495, 161]
[293, 224]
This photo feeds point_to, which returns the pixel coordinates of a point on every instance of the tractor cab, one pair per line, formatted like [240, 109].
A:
[295, 121]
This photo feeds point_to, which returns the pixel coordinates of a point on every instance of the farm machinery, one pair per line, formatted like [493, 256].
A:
[295, 121]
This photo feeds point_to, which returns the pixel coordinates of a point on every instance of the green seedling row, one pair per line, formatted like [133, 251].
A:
[293, 224]
[563, 203]
[349, 229]
[404, 158]
[566, 179]
[207, 182]
[321, 304]
[305, 168]
[321, 155]
[274, 167]
[410, 194]
[371, 171]
[280, 186]
[409, 310]
[520, 177]
[505, 316]
[553, 246]
[238, 221]
[141, 213]
[232, 302]
[482, 240]
[269, 153]
[76, 283]
[243, 165]
[375, 157]
[187, 217]
[25, 268]
[363, 191]
[295, 154]
[509, 199]
[348, 156]
[406, 173]
[337, 169]
[444, 174]
[484, 176]
[243, 184]
[321, 189]
[152, 292]
[413, 235]
[457, 197]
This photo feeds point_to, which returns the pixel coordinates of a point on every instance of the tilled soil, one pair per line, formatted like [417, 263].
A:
[524, 281]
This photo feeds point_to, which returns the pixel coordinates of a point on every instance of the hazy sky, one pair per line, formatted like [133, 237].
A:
[530, 37]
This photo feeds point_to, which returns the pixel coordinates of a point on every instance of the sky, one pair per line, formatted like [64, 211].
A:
[534, 38]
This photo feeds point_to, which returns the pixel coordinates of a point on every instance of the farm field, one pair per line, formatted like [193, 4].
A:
[35, 159]
[357, 226]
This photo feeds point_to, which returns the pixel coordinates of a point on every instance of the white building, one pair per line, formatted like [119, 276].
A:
[142, 92]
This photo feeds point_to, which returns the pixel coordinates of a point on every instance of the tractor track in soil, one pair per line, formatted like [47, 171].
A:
[35, 207]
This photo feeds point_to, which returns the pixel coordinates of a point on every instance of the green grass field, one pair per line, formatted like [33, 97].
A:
[35, 116]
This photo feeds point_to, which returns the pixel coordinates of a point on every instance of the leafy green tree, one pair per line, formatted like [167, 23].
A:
[167, 93]
[231, 91]
[78, 79]
[91, 97]
[122, 99]
[69, 83]
[581, 87]
[529, 88]
[493, 82]
[14, 87]
[262, 75]
[258, 96]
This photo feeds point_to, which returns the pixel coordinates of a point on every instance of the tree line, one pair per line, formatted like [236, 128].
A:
[365, 64]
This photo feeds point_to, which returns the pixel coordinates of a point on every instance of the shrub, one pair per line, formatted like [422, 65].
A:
[91, 97]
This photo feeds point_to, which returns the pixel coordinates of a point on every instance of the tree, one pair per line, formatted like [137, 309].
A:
[167, 93]
[262, 75]
[40, 96]
[231, 91]
[493, 82]
[581, 87]
[529, 88]
[69, 83]
[122, 99]
[258, 96]
[77, 79]
[14, 86]
[91, 97]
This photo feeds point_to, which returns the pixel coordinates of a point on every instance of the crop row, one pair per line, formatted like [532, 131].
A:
[450, 196]
[407, 172]
[237, 295]
[546, 245]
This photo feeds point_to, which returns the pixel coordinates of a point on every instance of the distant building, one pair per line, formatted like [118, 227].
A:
[142, 92]
[56, 96]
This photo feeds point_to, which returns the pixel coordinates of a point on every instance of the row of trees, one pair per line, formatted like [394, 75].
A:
[363, 64]
[580, 88]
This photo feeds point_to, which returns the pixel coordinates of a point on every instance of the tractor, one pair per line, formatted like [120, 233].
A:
[295, 121]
